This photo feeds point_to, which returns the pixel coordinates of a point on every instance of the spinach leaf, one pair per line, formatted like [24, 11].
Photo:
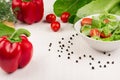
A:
[70, 6]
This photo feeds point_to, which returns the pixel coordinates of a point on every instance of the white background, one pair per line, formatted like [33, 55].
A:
[47, 65]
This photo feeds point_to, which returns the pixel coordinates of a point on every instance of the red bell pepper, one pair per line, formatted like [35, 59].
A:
[15, 51]
[28, 11]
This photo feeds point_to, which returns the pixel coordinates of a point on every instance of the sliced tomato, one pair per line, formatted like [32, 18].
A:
[106, 21]
[94, 32]
[86, 21]
[102, 35]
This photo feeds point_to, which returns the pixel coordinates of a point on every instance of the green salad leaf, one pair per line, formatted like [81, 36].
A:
[116, 34]
[116, 9]
[86, 29]
[70, 6]
[106, 31]
[95, 7]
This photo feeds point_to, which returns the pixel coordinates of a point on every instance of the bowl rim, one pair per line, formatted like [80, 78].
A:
[78, 23]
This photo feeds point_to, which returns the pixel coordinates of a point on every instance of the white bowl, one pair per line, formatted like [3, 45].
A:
[104, 46]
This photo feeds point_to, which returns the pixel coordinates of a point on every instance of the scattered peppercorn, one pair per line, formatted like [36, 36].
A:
[80, 58]
[62, 38]
[70, 38]
[99, 62]
[71, 43]
[68, 46]
[76, 34]
[84, 55]
[59, 42]
[73, 35]
[48, 49]
[104, 66]
[100, 66]
[104, 52]
[108, 62]
[72, 52]
[66, 49]
[76, 61]
[68, 57]
[112, 62]
[68, 53]
[109, 54]
[60, 46]
[61, 51]
[50, 44]
[57, 50]
[68, 41]
[92, 58]
[93, 67]
[90, 63]
[63, 45]
[59, 56]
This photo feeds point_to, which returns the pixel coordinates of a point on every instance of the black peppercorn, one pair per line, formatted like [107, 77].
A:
[66, 49]
[93, 67]
[59, 55]
[63, 45]
[72, 52]
[71, 43]
[90, 63]
[92, 58]
[48, 49]
[59, 42]
[84, 55]
[62, 38]
[68, 53]
[108, 62]
[50, 44]
[100, 66]
[68, 57]
[70, 38]
[109, 54]
[99, 62]
[76, 61]
[76, 34]
[104, 52]
[68, 46]
[112, 62]
[80, 58]
[68, 41]
[73, 35]
[104, 66]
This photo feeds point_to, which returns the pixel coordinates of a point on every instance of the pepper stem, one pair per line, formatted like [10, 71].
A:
[15, 37]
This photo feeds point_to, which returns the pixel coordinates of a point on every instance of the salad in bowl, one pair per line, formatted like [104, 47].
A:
[101, 31]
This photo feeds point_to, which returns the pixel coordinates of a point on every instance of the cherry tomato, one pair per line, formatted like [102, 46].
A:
[50, 18]
[86, 21]
[94, 32]
[106, 21]
[102, 35]
[65, 16]
[55, 26]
